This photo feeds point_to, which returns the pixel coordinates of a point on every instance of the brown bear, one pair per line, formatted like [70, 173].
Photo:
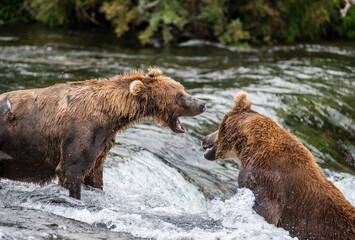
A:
[67, 130]
[290, 190]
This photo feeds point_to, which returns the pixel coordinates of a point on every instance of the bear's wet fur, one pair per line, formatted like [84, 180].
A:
[67, 130]
[290, 190]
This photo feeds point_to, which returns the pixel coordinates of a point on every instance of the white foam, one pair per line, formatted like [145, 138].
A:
[145, 197]
[344, 182]
[149, 183]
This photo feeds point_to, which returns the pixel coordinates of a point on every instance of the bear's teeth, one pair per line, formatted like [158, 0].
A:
[180, 126]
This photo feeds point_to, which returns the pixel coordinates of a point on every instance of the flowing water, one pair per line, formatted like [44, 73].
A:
[156, 183]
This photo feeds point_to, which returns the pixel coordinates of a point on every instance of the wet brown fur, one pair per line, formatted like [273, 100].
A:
[67, 130]
[290, 189]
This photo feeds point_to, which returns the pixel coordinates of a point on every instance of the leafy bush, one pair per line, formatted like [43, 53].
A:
[12, 11]
[234, 33]
[121, 13]
[237, 22]
[349, 24]
[165, 15]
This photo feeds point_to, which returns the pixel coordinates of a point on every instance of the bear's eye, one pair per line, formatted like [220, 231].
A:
[179, 98]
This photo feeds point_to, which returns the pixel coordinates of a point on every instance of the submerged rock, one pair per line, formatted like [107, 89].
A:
[24, 223]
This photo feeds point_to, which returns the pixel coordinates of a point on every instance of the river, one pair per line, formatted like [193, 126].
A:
[157, 184]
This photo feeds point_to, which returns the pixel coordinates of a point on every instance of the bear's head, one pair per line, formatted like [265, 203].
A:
[224, 142]
[165, 99]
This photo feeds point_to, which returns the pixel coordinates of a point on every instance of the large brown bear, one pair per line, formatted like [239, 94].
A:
[290, 190]
[66, 130]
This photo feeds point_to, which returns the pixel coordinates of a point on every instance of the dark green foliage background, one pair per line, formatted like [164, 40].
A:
[238, 23]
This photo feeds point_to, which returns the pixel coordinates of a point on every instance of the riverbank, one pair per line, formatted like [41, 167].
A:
[234, 23]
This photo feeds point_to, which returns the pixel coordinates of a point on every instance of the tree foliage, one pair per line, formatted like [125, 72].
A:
[237, 22]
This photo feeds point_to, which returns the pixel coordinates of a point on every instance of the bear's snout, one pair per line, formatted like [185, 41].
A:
[202, 106]
[196, 105]
[209, 144]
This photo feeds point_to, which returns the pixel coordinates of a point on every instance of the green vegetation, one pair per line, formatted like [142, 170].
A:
[229, 22]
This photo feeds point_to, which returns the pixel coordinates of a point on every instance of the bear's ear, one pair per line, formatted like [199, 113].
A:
[242, 103]
[136, 88]
[154, 72]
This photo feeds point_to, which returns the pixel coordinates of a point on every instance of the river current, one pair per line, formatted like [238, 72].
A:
[157, 184]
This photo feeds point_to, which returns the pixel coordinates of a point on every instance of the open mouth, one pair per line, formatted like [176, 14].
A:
[176, 126]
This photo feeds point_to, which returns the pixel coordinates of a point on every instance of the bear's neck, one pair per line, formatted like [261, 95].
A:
[122, 108]
[110, 103]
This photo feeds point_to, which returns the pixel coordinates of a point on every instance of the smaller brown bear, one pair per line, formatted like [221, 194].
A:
[290, 190]
[67, 130]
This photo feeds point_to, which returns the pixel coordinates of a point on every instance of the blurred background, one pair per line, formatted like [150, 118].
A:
[238, 23]
[295, 59]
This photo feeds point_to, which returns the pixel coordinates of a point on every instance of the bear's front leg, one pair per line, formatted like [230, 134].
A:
[71, 182]
[268, 190]
[78, 153]
[71, 169]
[94, 176]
